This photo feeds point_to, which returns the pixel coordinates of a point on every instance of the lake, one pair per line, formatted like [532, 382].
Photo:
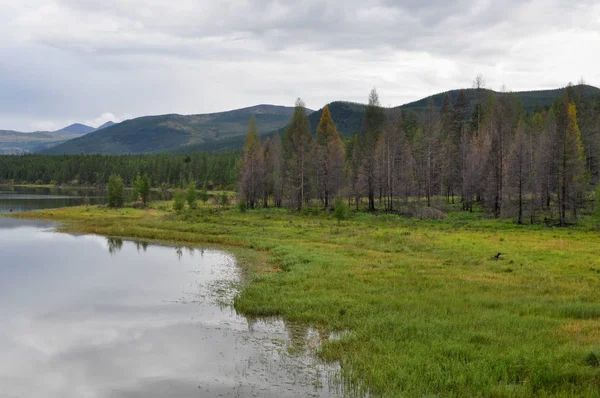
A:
[15, 199]
[89, 316]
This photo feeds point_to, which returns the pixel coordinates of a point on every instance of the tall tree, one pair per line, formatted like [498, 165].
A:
[374, 121]
[298, 151]
[251, 170]
[142, 188]
[572, 170]
[330, 158]
[517, 172]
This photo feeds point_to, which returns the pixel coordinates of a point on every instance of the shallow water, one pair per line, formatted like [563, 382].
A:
[87, 316]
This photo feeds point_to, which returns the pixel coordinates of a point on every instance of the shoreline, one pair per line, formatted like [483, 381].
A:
[403, 292]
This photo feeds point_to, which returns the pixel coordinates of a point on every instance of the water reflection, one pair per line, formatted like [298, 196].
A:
[15, 199]
[89, 316]
[114, 245]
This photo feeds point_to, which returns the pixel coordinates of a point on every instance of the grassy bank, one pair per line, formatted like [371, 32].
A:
[422, 307]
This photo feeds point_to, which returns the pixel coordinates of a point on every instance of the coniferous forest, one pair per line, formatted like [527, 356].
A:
[487, 154]
[490, 155]
[212, 170]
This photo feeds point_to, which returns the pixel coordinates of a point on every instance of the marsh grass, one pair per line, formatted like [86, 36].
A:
[424, 308]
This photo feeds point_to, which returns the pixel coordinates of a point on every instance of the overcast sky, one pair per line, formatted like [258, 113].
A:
[91, 61]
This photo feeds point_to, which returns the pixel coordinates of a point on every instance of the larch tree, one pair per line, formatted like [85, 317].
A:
[268, 159]
[426, 152]
[373, 124]
[251, 170]
[298, 155]
[571, 162]
[278, 180]
[330, 158]
[517, 170]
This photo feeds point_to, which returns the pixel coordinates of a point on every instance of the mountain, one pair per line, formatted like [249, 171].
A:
[17, 143]
[75, 129]
[105, 125]
[172, 132]
[225, 130]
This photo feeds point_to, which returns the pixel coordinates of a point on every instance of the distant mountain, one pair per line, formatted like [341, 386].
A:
[75, 129]
[174, 132]
[105, 125]
[348, 116]
[225, 130]
[530, 99]
[17, 143]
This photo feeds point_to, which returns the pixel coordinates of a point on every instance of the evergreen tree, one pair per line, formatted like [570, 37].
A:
[142, 188]
[115, 192]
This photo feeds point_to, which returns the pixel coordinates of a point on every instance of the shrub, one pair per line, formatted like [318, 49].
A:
[341, 211]
[191, 196]
[224, 199]
[179, 202]
[114, 191]
[597, 208]
[204, 195]
[242, 206]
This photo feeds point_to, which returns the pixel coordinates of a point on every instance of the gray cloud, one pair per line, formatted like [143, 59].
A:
[74, 60]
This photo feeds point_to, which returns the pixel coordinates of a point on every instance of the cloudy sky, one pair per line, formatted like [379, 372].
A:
[90, 61]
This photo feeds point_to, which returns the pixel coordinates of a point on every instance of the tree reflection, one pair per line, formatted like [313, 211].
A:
[114, 245]
[141, 245]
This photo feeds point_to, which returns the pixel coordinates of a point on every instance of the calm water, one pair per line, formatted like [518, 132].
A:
[21, 199]
[86, 316]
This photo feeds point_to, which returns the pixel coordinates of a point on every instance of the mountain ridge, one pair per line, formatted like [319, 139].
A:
[225, 130]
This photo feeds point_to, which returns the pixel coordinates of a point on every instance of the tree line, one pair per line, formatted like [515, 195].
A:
[213, 170]
[488, 153]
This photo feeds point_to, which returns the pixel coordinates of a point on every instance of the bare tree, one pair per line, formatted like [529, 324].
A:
[251, 167]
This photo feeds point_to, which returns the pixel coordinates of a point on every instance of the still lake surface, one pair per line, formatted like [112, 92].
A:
[89, 316]
[15, 199]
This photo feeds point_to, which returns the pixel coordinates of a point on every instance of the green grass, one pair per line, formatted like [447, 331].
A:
[421, 307]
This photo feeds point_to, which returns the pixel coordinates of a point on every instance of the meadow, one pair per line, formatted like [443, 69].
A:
[417, 307]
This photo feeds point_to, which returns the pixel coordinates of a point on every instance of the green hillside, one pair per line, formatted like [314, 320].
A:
[225, 130]
[173, 132]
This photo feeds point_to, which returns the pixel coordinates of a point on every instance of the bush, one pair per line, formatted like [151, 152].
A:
[341, 211]
[179, 202]
[224, 199]
[597, 209]
[242, 206]
[204, 195]
[191, 196]
[114, 192]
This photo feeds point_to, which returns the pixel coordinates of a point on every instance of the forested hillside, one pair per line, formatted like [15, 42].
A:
[152, 134]
[480, 149]
[349, 116]
[225, 130]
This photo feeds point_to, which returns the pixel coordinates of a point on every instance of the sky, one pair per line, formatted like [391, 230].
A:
[91, 61]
